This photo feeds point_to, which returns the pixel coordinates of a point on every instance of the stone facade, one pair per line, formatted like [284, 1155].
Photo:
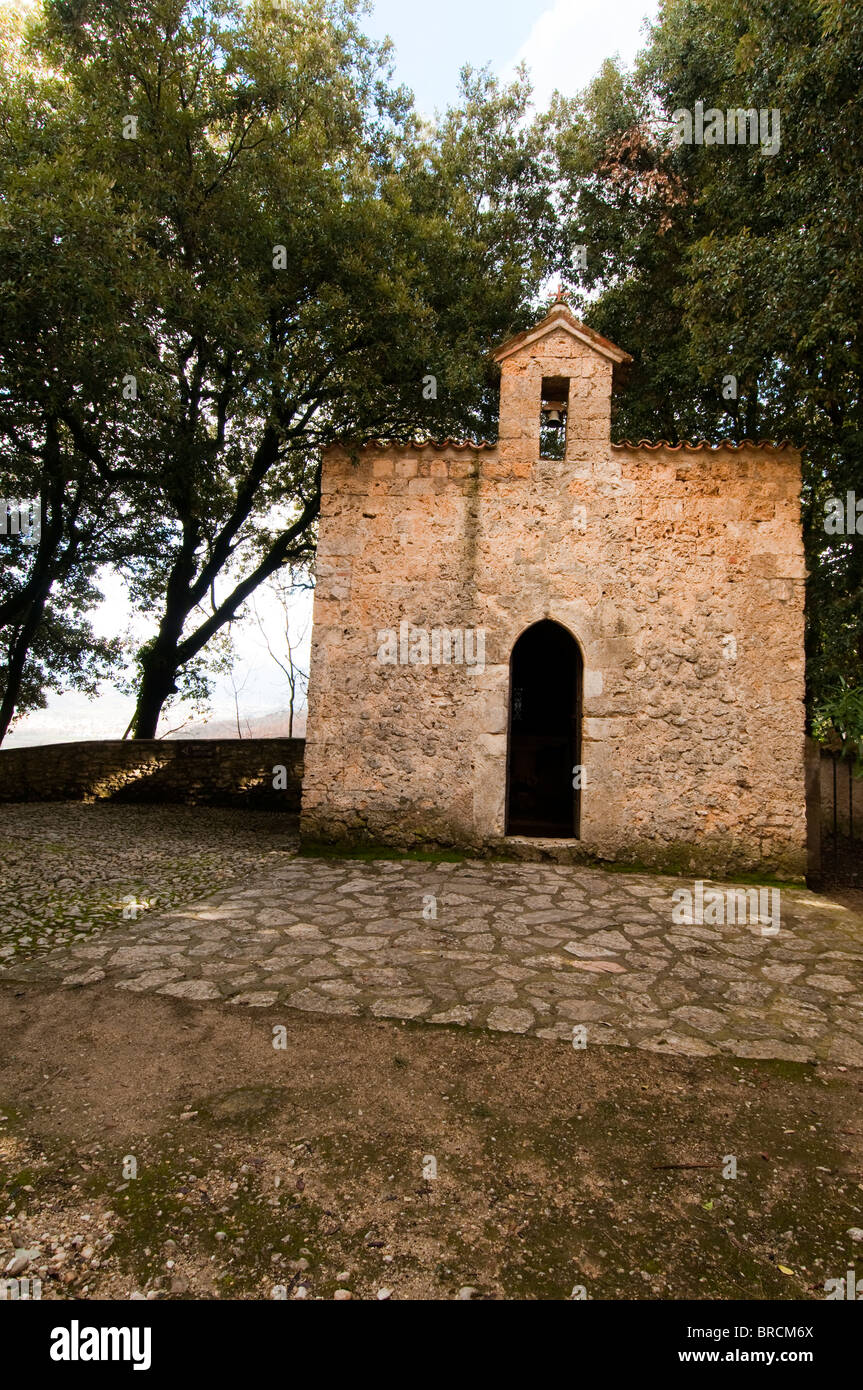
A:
[679, 572]
[197, 772]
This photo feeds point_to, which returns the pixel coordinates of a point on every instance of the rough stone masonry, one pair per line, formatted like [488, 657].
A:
[677, 570]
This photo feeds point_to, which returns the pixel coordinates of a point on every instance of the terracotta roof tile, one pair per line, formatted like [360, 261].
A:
[704, 444]
[477, 445]
[418, 442]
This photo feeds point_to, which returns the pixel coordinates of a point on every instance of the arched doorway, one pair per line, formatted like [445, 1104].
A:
[544, 733]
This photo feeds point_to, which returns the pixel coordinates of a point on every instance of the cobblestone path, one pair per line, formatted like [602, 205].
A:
[69, 869]
[525, 948]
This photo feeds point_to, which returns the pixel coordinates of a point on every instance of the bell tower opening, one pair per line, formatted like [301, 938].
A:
[552, 419]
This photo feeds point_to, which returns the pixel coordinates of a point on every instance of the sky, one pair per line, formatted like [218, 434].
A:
[563, 44]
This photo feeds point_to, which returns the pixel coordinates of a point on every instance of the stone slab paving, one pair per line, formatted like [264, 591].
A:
[523, 948]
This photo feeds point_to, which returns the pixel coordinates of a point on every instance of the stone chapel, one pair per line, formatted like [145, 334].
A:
[557, 645]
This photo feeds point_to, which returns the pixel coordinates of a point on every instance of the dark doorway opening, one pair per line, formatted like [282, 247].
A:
[544, 734]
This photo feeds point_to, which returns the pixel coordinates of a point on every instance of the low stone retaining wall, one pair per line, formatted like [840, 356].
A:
[206, 772]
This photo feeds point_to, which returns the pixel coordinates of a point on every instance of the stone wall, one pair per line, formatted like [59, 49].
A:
[215, 772]
[680, 573]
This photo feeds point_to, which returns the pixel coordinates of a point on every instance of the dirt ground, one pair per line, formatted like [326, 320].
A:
[310, 1168]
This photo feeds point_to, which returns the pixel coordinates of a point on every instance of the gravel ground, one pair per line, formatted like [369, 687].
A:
[69, 869]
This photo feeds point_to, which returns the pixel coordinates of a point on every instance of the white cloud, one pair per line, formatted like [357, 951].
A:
[570, 41]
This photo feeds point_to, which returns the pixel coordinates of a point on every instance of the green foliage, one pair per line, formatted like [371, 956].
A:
[279, 256]
[284, 253]
[715, 260]
[55, 228]
[838, 722]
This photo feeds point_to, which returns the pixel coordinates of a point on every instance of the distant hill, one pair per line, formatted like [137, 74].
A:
[85, 726]
[256, 726]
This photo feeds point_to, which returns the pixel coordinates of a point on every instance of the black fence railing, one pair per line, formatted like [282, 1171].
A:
[841, 821]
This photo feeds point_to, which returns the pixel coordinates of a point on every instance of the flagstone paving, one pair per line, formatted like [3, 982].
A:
[527, 948]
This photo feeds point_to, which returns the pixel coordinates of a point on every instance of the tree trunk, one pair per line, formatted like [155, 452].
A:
[159, 668]
[171, 651]
[12, 685]
[159, 664]
[157, 683]
[18, 650]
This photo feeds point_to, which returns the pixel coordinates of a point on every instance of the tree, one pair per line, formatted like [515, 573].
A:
[48, 233]
[284, 587]
[300, 261]
[720, 261]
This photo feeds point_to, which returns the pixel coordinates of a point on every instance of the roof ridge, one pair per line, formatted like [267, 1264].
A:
[561, 315]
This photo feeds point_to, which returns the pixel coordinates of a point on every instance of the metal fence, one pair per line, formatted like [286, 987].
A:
[841, 821]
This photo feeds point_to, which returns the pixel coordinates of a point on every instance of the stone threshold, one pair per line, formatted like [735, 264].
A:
[537, 848]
